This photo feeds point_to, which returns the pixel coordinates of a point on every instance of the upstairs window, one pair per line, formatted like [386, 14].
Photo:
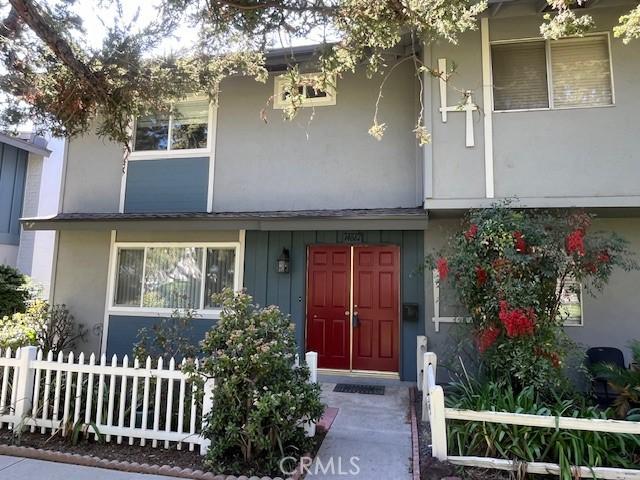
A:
[566, 73]
[311, 96]
[164, 278]
[185, 128]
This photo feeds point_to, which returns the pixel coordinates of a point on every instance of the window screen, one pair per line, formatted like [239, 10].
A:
[581, 74]
[519, 76]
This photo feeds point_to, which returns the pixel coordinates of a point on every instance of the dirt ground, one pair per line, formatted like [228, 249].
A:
[433, 469]
[123, 452]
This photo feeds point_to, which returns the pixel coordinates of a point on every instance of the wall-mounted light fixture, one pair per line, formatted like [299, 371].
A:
[283, 261]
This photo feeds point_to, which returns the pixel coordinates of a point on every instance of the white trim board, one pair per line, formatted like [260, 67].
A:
[487, 106]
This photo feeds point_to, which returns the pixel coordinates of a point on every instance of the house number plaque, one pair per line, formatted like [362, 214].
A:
[352, 237]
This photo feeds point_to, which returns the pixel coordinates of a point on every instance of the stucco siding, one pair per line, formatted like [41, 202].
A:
[458, 171]
[325, 162]
[93, 172]
[81, 281]
[167, 185]
[573, 152]
[610, 317]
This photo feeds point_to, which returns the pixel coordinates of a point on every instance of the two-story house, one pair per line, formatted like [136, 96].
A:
[331, 225]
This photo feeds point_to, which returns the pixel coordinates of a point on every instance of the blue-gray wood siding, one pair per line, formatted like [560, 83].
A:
[13, 173]
[124, 329]
[288, 290]
[167, 185]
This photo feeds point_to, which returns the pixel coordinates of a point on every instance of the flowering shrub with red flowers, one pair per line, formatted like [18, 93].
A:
[509, 268]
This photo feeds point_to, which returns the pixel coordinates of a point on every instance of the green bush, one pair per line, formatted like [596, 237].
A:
[259, 397]
[50, 328]
[528, 444]
[13, 291]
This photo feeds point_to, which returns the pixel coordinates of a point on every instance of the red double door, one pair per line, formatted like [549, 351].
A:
[353, 306]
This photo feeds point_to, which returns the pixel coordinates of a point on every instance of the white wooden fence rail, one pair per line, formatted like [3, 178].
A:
[117, 399]
[435, 412]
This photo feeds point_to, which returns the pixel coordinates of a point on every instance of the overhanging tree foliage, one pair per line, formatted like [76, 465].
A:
[54, 79]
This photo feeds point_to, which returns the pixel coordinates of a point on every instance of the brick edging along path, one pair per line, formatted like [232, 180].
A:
[415, 445]
[123, 466]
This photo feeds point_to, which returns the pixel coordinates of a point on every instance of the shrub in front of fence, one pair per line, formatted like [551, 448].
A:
[534, 444]
[259, 397]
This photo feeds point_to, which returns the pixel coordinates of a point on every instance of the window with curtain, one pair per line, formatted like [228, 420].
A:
[187, 127]
[158, 277]
[570, 72]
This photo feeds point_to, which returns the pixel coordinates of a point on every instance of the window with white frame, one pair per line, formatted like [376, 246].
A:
[447, 307]
[311, 96]
[571, 303]
[161, 277]
[186, 127]
[541, 74]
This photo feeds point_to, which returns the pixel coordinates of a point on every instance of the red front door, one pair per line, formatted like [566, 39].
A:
[368, 339]
[376, 305]
[328, 302]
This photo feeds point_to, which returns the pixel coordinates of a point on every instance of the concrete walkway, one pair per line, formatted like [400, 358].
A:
[369, 439]
[16, 468]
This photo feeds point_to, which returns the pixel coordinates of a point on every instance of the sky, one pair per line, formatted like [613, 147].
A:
[94, 15]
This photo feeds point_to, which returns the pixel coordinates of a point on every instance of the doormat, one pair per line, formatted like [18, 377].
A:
[363, 389]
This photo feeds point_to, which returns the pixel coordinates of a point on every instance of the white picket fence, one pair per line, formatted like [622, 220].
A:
[117, 399]
[435, 412]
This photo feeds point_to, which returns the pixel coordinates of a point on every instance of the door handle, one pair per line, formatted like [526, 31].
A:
[355, 320]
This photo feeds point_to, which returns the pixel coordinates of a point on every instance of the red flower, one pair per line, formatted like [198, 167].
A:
[591, 267]
[487, 337]
[574, 243]
[520, 245]
[518, 322]
[481, 275]
[604, 257]
[471, 233]
[443, 268]
[555, 359]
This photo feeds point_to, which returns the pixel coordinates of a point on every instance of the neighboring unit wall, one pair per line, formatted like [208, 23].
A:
[324, 159]
[13, 171]
[458, 170]
[550, 156]
[288, 291]
[30, 209]
[572, 152]
[610, 317]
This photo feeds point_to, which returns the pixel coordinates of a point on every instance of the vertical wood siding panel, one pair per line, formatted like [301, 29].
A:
[18, 193]
[412, 292]
[326, 237]
[283, 298]
[7, 177]
[261, 262]
[372, 237]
